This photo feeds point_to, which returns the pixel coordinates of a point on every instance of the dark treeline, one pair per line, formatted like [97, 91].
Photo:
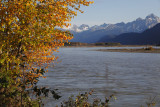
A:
[91, 44]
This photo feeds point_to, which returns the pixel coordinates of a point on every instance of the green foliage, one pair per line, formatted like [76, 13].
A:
[16, 92]
[82, 100]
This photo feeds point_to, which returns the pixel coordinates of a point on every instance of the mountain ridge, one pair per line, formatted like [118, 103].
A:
[85, 27]
[87, 34]
[148, 37]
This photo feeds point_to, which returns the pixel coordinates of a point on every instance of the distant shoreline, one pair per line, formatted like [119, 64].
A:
[109, 46]
[101, 44]
[142, 50]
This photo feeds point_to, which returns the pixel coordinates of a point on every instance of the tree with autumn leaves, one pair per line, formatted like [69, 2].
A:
[29, 35]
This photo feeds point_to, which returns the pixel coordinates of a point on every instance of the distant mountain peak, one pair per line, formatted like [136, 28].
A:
[86, 34]
[151, 16]
[139, 19]
[137, 25]
[84, 25]
[104, 24]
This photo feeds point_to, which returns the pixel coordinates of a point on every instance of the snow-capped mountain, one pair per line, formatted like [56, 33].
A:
[80, 28]
[84, 33]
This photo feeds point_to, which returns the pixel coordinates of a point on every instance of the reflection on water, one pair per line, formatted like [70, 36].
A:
[132, 77]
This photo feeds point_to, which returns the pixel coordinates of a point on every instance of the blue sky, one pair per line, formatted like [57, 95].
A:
[113, 11]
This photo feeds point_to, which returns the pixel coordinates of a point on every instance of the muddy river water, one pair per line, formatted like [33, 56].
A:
[132, 77]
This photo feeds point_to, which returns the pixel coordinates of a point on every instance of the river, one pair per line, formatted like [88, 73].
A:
[132, 77]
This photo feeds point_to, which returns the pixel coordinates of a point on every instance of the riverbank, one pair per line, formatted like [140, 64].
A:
[141, 50]
[108, 46]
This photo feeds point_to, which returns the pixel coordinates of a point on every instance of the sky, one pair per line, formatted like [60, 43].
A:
[115, 11]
